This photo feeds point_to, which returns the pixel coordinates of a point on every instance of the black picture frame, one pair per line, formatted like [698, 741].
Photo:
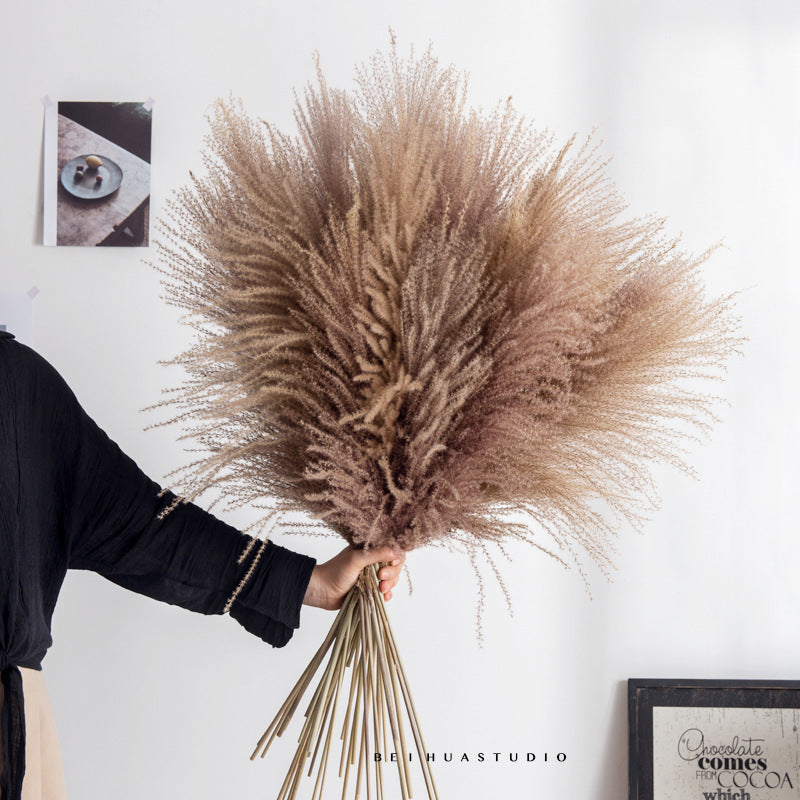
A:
[646, 694]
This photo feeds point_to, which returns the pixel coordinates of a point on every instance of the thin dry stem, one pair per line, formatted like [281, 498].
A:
[363, 654]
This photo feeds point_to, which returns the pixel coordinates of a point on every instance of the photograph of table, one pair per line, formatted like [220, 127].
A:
[90, 222]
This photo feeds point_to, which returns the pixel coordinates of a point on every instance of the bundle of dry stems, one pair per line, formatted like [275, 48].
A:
[417, 321]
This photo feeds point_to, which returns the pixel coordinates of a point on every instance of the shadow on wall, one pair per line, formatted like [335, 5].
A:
[614, 771]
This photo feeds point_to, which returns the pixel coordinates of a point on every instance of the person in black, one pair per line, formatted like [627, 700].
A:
[71, 499]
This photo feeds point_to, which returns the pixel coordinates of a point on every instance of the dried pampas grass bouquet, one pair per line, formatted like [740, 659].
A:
[420, 324]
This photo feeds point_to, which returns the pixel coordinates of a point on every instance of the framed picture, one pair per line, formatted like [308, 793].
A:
[714, 740]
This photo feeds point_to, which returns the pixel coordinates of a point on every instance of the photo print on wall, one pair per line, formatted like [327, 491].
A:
[97, 173]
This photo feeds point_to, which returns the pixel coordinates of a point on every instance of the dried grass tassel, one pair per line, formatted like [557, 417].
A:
[420, 324]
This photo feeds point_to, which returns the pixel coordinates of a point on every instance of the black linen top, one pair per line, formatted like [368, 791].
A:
[70, 498]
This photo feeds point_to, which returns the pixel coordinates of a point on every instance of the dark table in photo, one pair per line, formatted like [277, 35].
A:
[89, 222]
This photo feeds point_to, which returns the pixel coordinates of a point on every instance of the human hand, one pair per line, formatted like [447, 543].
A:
[331, 581]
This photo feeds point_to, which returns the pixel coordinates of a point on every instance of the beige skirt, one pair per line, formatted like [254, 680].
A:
[44, 775]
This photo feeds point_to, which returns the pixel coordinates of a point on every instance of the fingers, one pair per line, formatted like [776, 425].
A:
[379, 554]
[392, 559]
[389, 575]
[386, 590]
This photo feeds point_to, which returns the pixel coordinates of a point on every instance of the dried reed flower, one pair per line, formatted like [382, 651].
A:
[416, 318]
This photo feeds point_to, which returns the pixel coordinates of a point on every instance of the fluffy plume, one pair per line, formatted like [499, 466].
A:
[415, 318]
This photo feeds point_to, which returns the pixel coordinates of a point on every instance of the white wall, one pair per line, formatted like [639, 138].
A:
[699, 103]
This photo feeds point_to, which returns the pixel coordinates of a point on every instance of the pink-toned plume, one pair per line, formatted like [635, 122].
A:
[415, 320]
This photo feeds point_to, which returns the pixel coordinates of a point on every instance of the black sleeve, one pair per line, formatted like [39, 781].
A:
[279, 584]
[188, 557]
